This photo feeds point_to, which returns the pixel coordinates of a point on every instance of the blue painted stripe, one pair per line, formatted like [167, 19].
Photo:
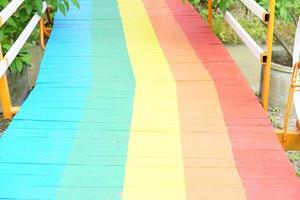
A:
[69, 141]
[109, 106]
[37, 145]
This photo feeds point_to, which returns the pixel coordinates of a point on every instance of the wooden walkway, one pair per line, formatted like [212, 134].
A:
[138, 100]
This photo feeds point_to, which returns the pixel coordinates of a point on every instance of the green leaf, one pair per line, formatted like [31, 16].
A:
[5, 47]
[76, 3]
[12, 22]
[62, 8]
[28, 8]
[39, 6]
[19, 65]
[66, 2]
[27, 59]
[23, 14]
[1, 36]
[4, 3]
[12, 66]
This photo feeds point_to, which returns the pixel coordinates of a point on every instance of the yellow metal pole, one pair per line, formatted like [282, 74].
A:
[210, 13]
[42, 37]
[48, 12]
[4, 94]
[267, 68]
[290, 99]
[5, 98]
[47, 30]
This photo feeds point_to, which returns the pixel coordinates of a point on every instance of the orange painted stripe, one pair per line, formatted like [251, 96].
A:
[262, 164]
[154, 166]
[210, 169]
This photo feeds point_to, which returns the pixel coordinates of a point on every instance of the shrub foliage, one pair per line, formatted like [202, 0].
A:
[15, 25]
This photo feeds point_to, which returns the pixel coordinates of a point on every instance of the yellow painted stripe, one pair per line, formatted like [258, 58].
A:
[154, 167]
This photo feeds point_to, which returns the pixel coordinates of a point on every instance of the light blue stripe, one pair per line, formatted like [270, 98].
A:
[37, 145]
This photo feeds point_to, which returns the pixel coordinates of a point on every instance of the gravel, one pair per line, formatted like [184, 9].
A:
[3, 125]
[294, 157]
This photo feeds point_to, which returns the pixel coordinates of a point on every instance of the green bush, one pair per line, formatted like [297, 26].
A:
[15, 25]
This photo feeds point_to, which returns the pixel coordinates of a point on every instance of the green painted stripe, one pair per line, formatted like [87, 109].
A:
[97, 163]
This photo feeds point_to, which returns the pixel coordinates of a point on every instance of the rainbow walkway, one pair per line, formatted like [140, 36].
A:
[138, 100]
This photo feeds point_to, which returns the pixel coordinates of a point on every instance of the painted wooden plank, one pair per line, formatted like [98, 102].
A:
[70, 139]
[155, 121]
[53, 156]
[111, 94]
[266, 162]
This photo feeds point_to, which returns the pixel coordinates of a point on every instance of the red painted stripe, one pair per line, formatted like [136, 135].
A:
[262, 164]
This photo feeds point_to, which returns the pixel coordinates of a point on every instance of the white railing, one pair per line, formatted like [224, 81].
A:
[257, 51]
[17, 46]
[12, 53]
[9, 10]
[255, 8]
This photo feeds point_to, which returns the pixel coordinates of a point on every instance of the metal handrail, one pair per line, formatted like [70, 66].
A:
[257, 51]
[5, 14]
[9, 10]
[296, 59]
[259, 11]
[264, 56]
[294, 92]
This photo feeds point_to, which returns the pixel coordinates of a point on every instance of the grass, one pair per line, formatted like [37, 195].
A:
[274, 115]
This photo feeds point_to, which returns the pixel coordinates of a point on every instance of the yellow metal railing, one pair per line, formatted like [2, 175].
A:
[294, 86]
[264, 56]
[290, 138]
[210, 13]
[5, 61]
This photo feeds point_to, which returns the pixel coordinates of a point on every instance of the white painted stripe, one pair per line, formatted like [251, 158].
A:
[296, 58]
[17, 46]
[245, 37]
[259, 11]
[9, 10]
